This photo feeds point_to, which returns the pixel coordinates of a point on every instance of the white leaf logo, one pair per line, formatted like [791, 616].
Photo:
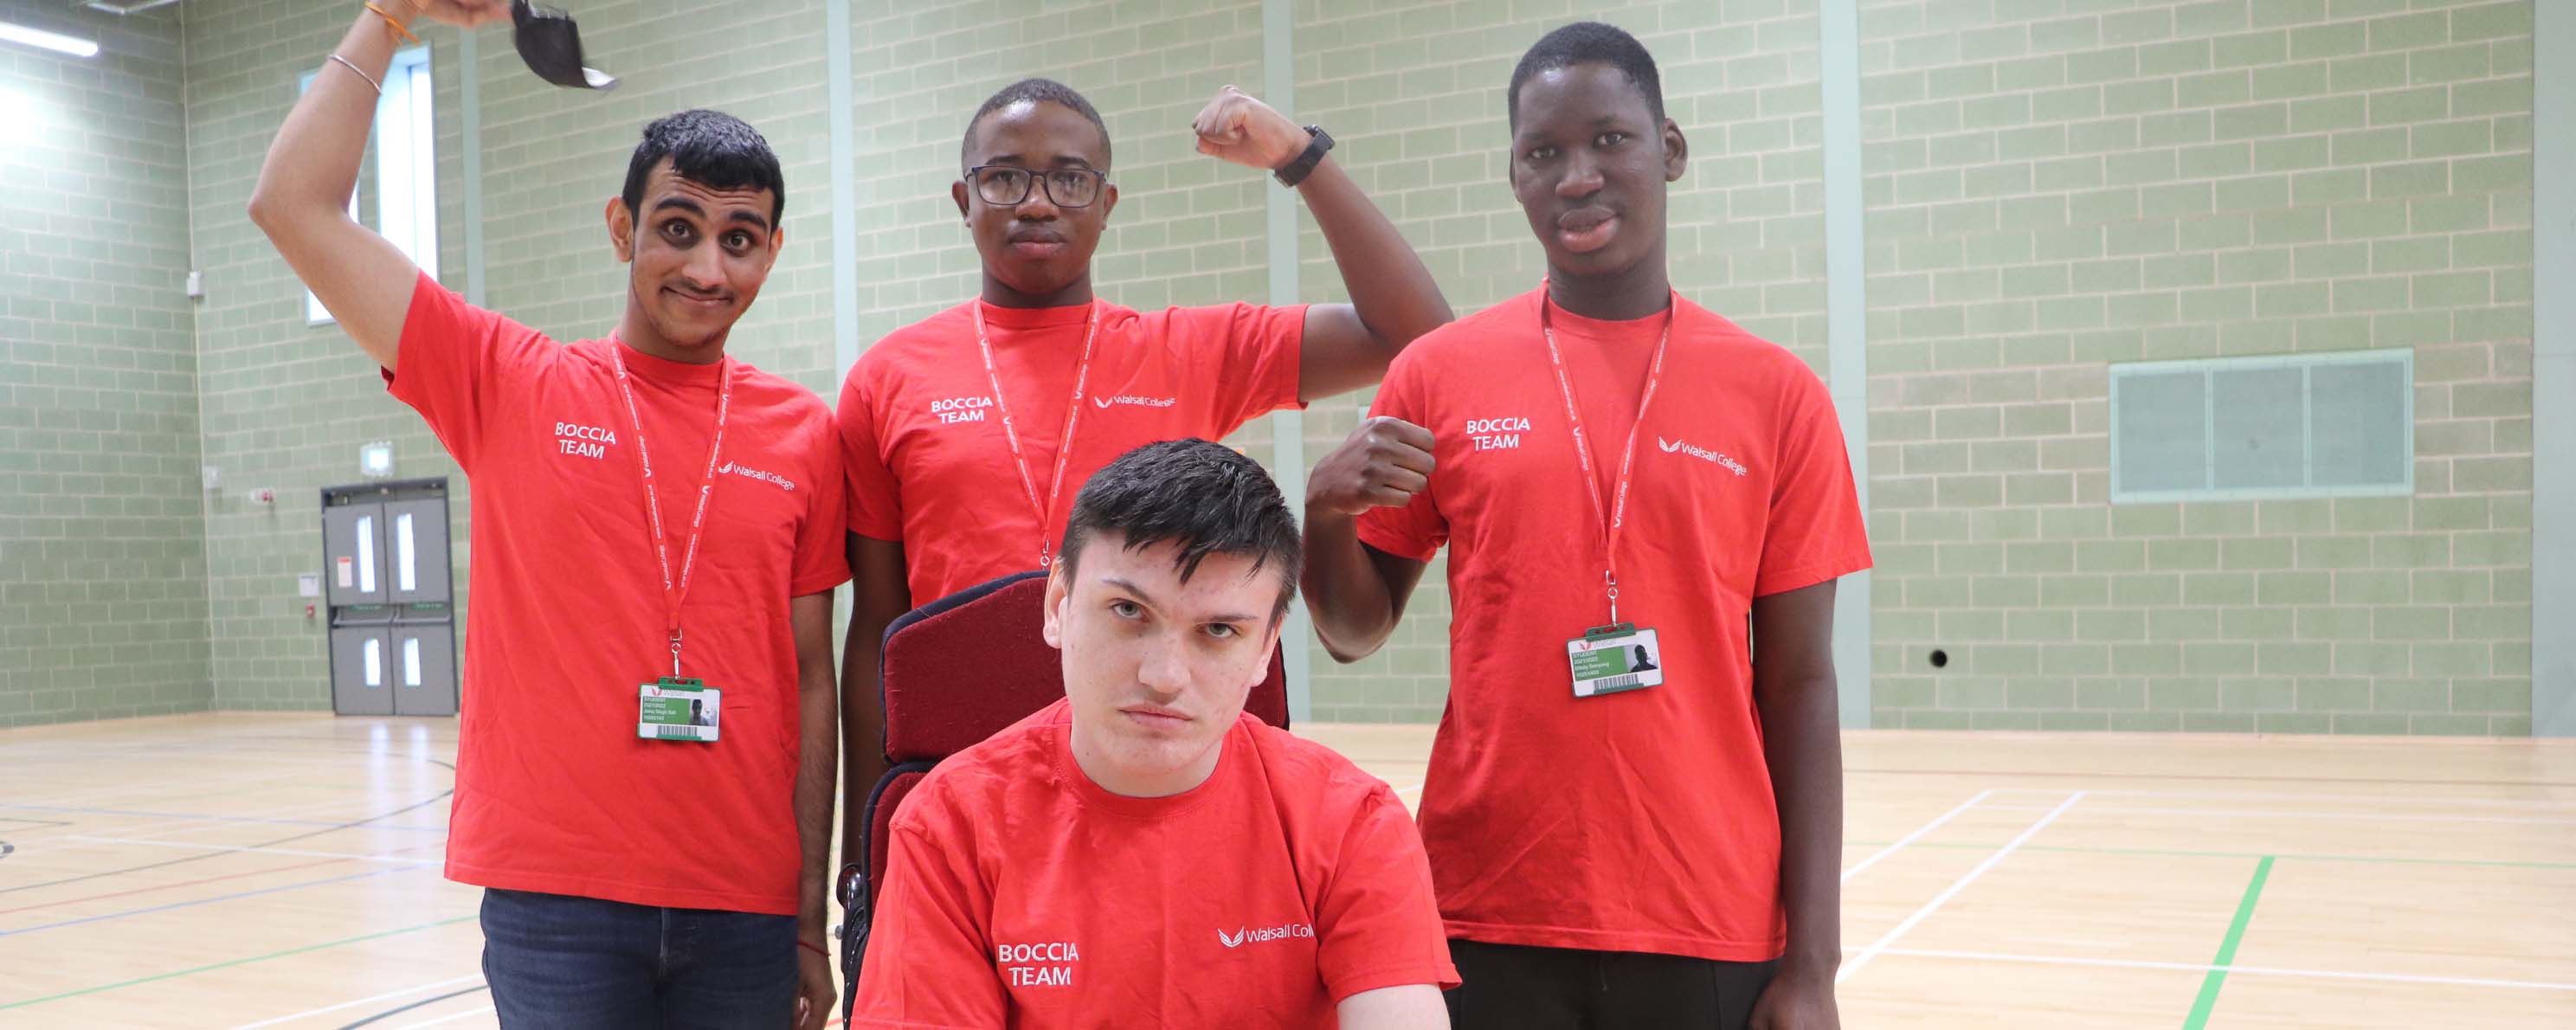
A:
[1668, 445]
[1104, 402]
[1234, 940]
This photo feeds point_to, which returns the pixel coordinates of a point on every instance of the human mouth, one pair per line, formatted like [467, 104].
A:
[1154, 718]
[1586, 229]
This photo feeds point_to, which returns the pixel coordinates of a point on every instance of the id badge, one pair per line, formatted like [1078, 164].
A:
[1610, 659]
[678, 709]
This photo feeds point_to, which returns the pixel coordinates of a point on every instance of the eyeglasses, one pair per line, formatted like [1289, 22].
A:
[1004, 186]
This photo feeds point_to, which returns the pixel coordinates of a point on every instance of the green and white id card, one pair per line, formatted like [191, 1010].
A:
[678, 709]
[1610, 659]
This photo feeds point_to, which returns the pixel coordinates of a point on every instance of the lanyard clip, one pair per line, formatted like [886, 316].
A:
[1609, 582]
[675, 654]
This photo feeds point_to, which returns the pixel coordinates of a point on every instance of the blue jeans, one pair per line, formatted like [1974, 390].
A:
[557, 962]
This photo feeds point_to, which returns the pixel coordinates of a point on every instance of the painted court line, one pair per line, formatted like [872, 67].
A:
[2196, 967]
[213, 818]
[387, 996]
[239, 849]
[209, 901]
[2217, 977]
[2376, 817]
[235, 962]
[1934, 905]
[1914, 836]
[2309, 799]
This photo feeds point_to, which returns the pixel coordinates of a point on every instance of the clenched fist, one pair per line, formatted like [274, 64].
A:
[1384, 464]
[1241, 129]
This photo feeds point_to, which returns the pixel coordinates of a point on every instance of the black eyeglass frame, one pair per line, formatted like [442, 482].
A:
[1099, 179]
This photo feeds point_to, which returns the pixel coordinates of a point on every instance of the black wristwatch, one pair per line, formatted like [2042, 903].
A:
[1294, 172]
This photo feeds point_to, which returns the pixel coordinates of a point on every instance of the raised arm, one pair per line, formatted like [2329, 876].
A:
[1393, 297]
[302, 199]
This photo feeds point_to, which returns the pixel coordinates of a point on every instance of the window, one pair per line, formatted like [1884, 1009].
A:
[2306, 425]
[406, 167]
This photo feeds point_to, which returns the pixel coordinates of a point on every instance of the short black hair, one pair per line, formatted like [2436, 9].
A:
[1588, 42]
[708, 147]
[1203, 496]
[1034, 91]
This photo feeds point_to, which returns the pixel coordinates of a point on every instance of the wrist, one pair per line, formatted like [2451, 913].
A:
[1808, 964]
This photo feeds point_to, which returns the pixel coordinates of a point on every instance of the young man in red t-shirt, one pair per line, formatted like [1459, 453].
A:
[965, 434]
[643, 773]
[1634, 818]
[1142, 853]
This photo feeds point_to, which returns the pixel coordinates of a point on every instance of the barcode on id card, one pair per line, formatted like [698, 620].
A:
[1616, 683]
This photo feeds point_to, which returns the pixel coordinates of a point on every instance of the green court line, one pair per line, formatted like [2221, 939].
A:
[2227, 949]
[2170, 853]
[235, 962]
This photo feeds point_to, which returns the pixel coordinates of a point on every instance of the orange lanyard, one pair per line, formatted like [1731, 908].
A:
[1064, 445]
[673, 592]
[1614, 514]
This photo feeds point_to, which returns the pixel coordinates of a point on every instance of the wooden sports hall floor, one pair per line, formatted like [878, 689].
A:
[282, 871]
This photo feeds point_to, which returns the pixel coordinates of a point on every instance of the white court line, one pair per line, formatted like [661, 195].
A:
[190, 846]
[1912, 837]
[1944, 897]
[447, 1019]
[2228, 795]
[2278, 814]
[1408, 789]
[2196, 967]
[388, 995]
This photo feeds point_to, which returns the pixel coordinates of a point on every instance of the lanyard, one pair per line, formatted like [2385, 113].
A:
[1064, 444]
[1614, 515]
[673, 593]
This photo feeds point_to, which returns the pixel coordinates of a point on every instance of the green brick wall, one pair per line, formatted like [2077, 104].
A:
[2055, 185]
[2050, 186]
[102, 561]
[1416, 95]
[286, 404]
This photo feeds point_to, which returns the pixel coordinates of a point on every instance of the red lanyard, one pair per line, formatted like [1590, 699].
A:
[673, 593]
[1064, 444]
[1614, 515]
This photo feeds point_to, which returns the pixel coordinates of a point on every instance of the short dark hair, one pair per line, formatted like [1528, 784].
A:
[708, 147]
[1588, 42]
[1204, 497]
[1034, 91]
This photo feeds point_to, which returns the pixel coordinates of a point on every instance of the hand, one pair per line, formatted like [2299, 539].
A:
[464, 14]
[1384, 464]
[1241, 129]
[1797, 1000]
[815, 991]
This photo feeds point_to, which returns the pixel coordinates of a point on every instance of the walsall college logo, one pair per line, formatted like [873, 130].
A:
[1702, 453]
[1255, 935]
[747, 472]
[1107, 403]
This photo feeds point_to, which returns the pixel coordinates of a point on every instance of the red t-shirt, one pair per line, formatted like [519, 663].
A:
[1641, 820]
[1021, 893]
[554, 792]
[921, 438]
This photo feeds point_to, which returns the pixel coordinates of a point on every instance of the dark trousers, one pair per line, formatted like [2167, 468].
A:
[1509, 985]
[557, 962]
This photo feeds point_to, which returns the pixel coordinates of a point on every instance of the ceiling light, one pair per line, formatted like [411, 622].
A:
[48, 40]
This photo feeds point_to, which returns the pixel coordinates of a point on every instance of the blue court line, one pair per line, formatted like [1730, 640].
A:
[219, 818]
[210, 901]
